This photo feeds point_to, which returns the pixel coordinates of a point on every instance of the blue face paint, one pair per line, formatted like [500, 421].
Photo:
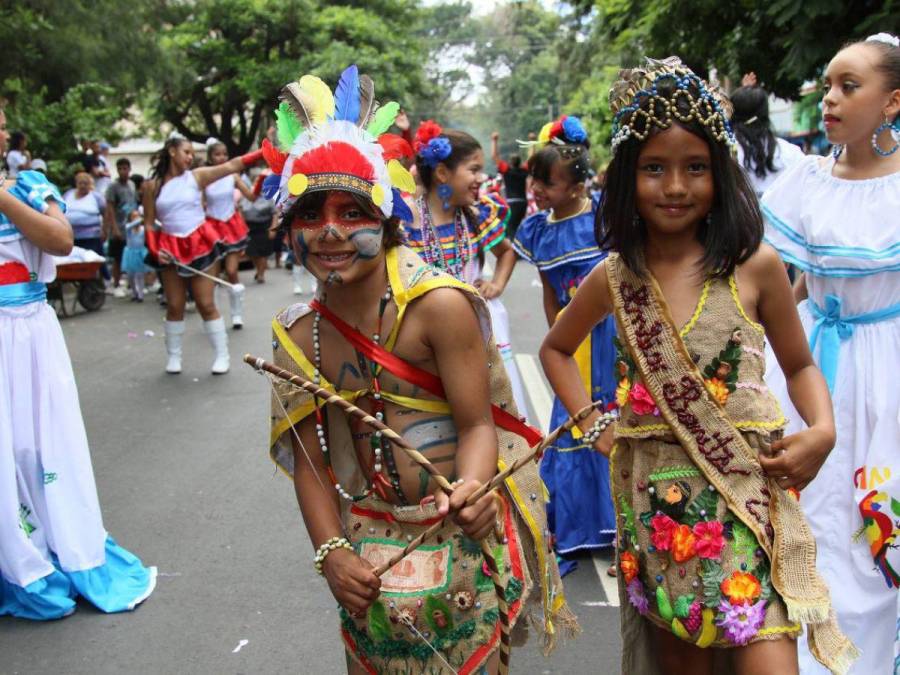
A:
[367, 241]
[302, 248]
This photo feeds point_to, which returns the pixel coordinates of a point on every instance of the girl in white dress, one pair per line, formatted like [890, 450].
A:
[53, 545]
[838, 221]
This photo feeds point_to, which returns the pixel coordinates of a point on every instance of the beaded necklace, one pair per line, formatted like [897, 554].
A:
[434, 252]
[382, 454]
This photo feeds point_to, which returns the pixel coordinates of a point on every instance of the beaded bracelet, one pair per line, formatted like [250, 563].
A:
[600, 425]
[331, 545]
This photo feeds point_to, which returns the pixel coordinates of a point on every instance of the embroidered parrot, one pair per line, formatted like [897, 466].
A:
[879, 530]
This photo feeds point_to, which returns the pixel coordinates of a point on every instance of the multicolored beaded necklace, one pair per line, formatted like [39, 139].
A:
[381, 447]
[434, 253]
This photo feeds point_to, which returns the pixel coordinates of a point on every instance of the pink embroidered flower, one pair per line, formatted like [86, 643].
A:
[636, 596]
[741, 622]
[641, 401]
[663, 532]
[709, 542]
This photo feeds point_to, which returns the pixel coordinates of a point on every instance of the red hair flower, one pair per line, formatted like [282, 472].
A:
[427, 130]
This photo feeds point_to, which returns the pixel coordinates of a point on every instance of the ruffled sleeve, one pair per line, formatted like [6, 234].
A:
[489, 229]
[33, 188]
[782, 207]
[525, 240]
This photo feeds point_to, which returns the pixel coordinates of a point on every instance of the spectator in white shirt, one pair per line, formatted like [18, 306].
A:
[18, 158]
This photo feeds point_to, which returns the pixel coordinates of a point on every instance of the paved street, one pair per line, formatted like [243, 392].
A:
[185, 482]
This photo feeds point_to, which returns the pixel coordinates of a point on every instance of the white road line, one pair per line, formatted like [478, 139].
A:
[610, 584]
[536, 388]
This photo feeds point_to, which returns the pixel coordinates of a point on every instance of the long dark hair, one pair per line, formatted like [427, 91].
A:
[16, 139]
[162, 160]
[462, 146]
[313, 201]
[729, 236]
[753, 130]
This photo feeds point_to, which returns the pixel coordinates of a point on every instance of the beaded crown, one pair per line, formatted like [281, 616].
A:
[329, 141]
[661, 92]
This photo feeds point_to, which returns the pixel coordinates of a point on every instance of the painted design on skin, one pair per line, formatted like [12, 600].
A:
[431, 432]
[333, 279]
[303, 248]
[347, 367]
[367, 241]
[333, 231]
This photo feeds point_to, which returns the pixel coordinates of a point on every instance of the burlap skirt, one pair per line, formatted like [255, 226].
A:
[687, 563]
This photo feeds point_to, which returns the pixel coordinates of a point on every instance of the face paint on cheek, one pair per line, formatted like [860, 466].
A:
[368, 241]
[302, 248]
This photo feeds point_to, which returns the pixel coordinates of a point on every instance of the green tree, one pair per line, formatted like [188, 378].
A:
[226, 60]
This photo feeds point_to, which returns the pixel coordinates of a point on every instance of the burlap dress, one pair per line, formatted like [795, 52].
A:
[687, 563]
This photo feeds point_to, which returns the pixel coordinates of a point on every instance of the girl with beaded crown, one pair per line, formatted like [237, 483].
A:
[435, 609]
[836, 220]
[53, 546]
[453, 228]
[713, 548]
[559, 241]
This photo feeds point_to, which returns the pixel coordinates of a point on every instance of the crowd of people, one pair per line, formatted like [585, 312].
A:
[722, 309]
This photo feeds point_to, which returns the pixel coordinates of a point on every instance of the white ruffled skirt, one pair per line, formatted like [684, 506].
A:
[53, 545]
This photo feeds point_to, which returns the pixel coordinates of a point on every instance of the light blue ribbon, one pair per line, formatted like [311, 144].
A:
[831, 329]
[16, 295]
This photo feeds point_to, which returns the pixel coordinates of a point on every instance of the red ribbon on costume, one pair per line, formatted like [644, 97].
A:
[415, 375]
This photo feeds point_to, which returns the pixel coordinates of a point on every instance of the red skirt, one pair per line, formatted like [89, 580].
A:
[234, 232]
[201, 249]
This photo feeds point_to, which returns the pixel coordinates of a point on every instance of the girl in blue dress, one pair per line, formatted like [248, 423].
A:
[559, 240]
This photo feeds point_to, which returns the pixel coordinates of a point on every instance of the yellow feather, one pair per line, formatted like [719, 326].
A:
[400, 177]
[322, 97]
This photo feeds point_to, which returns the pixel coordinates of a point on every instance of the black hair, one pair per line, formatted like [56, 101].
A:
[313, 201]
[753, 130]
[730, 234]
[123, 161]
[161, 161]
[138, 181]
[575, 160]
[889, 66]
[515, 161]
[462, 146]
[16, 139]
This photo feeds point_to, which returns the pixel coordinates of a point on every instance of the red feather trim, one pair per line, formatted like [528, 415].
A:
[556, 130]
[274, 157]
[395, 147]
[334, 157]
[427, 130]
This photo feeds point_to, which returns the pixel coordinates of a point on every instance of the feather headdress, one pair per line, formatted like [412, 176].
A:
[329, 141]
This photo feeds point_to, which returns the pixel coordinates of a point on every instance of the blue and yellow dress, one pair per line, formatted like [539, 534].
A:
[580, 511]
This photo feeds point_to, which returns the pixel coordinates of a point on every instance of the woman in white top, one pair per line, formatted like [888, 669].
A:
[761, 154]
[838, 221]
[18, 158]
[187, 241]
[53, 545]
[220, 208]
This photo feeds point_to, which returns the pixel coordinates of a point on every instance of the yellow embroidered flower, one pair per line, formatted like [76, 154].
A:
[622, 392]
[717, 389]
[741, 588]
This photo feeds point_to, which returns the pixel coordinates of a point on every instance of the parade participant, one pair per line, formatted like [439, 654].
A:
[453, 228]
[515, 181]
[714, 551]
[760, 152]
[53, 546]
[850, 308]
[362, 502]
[220, 208]
[187, 242]
[559, 241]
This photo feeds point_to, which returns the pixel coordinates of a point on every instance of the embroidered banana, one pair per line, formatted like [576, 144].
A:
[708, 631]
[666, 612]
[680, 631]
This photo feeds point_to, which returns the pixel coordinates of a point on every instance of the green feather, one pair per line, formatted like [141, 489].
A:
[434, 604]
[379, 624]
[288, 126]
[384, 118]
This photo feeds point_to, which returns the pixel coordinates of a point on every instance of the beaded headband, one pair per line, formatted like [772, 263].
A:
[638, 102]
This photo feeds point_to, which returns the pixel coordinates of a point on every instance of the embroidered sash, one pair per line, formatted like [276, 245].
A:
[719, 450]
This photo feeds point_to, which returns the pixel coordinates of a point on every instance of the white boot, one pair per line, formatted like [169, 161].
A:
[174, 331]
[236, 295]
[218, 338]
[297, 274]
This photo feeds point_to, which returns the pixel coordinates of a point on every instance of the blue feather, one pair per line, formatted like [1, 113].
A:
[270, 185]
[401, 209]
[346, 96]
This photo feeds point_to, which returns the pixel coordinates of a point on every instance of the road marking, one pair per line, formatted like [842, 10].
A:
[610, 584]
[596, 603]
[536, 388]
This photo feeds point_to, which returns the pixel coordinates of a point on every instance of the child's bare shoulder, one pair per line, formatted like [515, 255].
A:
[762, 264]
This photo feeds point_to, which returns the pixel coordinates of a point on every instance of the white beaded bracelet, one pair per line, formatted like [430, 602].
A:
[600, 425]
[331, 545]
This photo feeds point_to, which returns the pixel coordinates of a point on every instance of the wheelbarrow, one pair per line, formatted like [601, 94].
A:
[90, 291]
